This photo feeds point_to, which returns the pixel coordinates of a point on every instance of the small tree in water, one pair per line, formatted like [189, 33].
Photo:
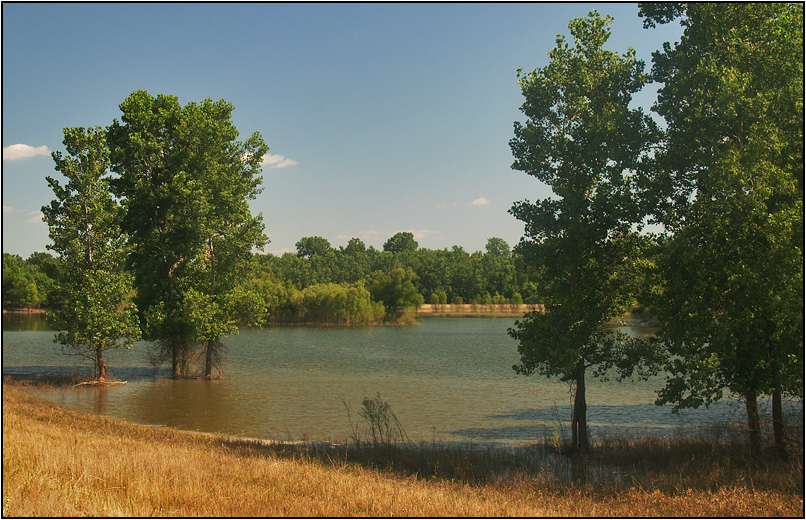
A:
[84, 226]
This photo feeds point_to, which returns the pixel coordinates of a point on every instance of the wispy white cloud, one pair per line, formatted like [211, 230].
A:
[7, 209]
[276, 161]
[281, 252]
[36, 218]
[481, 201]
[15, 152]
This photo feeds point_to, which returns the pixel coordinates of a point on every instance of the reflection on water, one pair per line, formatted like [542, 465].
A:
[447, 380]
[25, 321]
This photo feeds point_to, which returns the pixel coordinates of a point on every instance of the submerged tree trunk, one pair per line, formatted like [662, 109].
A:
[176, 364]
[180, 358]
[211, 345]
[753, 423]
[100, 366]
[778, 425]
[579, 423]
[208, 358]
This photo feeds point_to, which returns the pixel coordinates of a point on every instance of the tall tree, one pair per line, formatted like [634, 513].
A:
[307, 247]
[84, 225]
[185, 182]
[730, 194]
[403, 241]
[224, 174]
[498, 247]
[583, 140]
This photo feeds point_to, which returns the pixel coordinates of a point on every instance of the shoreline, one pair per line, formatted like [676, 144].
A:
[472, 310]
[63, 462]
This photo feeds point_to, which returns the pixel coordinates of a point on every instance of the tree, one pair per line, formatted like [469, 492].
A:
[185, 182]
[399, 242]
[396, 290]
[84, 226]
[307, 247]
[46, 270]
[30, 283]
[355, 246]
[583, 140]
[20, 287]
[497, 247]
[229, 172]
[730, 195]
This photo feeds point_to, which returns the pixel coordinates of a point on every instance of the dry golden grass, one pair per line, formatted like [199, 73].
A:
[58, 462]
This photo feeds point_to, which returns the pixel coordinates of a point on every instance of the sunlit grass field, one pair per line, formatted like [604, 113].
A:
[59, 462]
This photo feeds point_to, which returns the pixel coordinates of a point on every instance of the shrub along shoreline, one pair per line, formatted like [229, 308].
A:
[60, 462]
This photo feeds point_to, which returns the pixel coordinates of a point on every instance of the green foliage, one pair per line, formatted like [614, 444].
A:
[336, 303]
[310, 246]
[97, 317]
[185, 182]
[396, 291]
[83, 221]
[355, 247]
[400, 242]
[497, 247]
[729, 190]
[29, 283]
[448, 275]
[583, 140]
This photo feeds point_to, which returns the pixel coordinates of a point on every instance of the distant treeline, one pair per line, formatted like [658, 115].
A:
[401, 275]
[320, 283]
[30, 283]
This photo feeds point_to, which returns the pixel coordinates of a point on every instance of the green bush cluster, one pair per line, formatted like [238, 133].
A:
[29, 283]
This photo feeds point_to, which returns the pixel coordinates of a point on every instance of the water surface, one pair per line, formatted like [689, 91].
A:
[447, 379]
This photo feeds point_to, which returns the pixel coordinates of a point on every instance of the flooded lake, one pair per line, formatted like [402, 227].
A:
[446, 379]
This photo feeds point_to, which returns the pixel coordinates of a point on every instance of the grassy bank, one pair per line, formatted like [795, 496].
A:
[59, 462]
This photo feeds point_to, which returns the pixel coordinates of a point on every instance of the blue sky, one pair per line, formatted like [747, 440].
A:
[380, 117]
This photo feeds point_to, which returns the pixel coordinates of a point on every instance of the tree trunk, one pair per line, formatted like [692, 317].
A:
[778, 425]
[212, 268]
[100, 366]
[211, 344]
[579, 425]
[176, 359]
[574, 437]
[753, 424]
[208, 359]
[185, 358]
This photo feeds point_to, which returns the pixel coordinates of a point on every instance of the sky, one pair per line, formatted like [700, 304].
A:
[380, 117]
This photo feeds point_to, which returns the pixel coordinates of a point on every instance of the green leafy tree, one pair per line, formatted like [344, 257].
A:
[46, 271]
[307, 247]
[583, 140]
[396, 291]
[20, 283]
[498, 247]
[400, 242]
[83, 221]
[355, 246]
[730, 194]
[185, 182]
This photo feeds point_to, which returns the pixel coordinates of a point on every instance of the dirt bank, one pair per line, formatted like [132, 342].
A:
[473, 310]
